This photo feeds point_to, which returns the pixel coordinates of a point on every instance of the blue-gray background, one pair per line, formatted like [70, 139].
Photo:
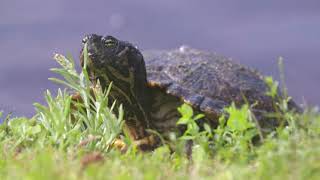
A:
[252, 32]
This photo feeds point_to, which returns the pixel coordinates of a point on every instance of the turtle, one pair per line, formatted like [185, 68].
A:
[152, 84]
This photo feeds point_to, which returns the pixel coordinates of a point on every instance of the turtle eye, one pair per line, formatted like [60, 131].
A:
[110, 43]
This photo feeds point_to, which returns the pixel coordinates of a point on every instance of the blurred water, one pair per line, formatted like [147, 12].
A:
[252, 32]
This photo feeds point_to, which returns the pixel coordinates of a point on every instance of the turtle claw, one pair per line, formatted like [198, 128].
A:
[120, 145]
[145, 144]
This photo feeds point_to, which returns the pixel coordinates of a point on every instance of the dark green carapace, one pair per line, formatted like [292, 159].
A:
[152, 84]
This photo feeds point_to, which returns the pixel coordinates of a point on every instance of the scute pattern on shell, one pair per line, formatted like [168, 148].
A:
[205, 80]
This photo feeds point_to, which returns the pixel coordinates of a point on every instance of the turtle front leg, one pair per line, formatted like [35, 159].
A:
[133, 128]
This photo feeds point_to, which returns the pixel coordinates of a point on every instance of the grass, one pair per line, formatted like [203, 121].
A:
[60, 142]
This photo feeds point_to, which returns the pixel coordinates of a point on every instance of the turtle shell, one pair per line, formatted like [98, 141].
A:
[205, 80]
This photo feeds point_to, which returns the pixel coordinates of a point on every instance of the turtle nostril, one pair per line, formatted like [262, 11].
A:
[85, 39]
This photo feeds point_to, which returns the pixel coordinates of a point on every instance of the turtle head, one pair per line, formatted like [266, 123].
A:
[116, 59]
[119, 62]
